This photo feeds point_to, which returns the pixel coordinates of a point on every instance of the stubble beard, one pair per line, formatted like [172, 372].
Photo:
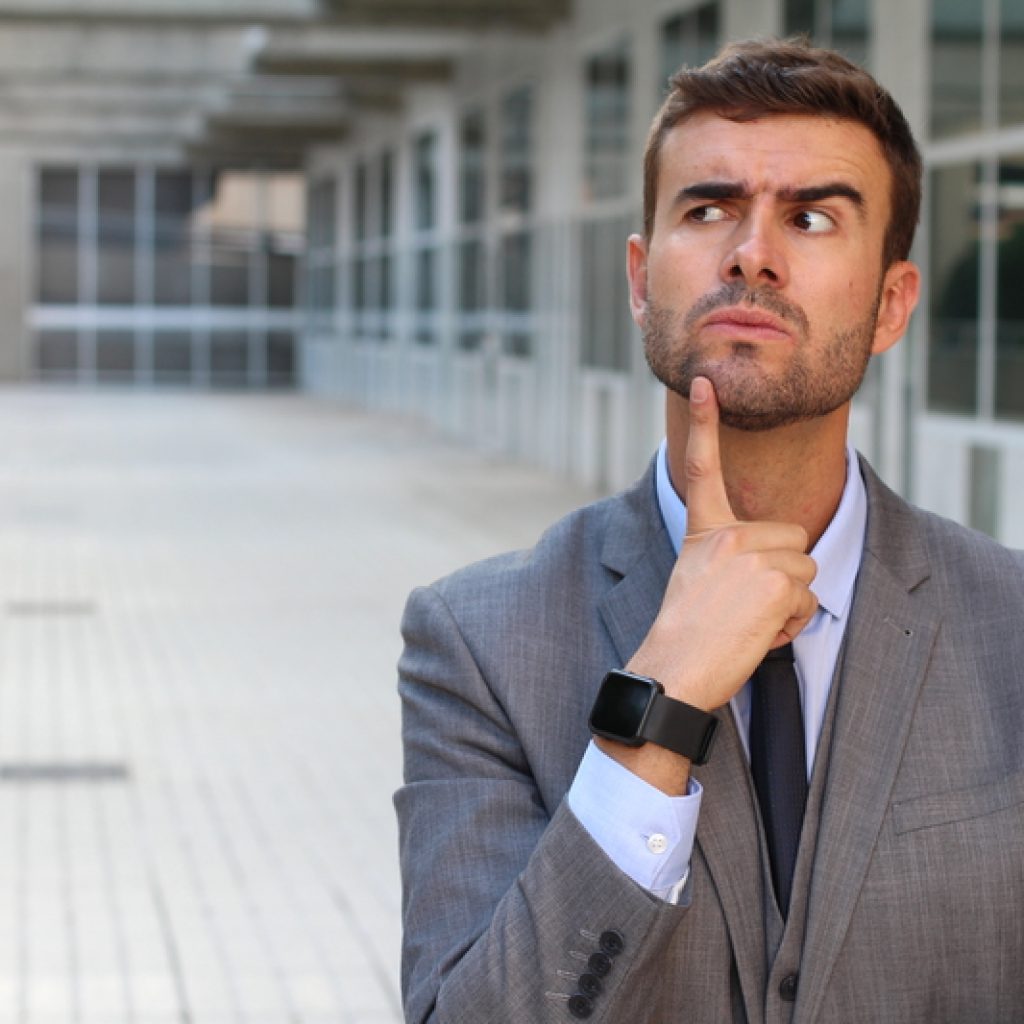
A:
[811, 385]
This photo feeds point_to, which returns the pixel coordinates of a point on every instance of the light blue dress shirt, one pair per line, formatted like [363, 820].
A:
[648, 834]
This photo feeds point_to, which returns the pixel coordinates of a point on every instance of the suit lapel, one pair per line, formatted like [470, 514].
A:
[892, 629]
[639, 555]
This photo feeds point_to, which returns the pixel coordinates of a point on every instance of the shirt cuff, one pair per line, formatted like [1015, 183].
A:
[647, 834]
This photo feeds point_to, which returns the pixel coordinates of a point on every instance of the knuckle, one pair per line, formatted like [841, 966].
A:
[727, 541]
[778, 585]
[699, 467]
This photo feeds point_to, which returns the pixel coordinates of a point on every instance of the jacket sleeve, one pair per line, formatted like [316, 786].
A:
[510, 915]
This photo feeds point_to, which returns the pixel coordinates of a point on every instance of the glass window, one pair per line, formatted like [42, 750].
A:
[515, 272]
[58, 232]
[425, 171]
[323, 288]
[800, 17]
[383, 290]
[322, 219]
[115, 355]
[387, 194]
[281, 268]
[232, 218]
[172, 234]
[957, 37]
[116, 237]
[471, 168]
[359, 289]
[955, 281]
[280, 358]
[426, 295]
[426, 290]
[321, 232]
[841, 24]
[56, 353]
[229, 358]
[1011, 62]
[849, 28]
[229, 269]
[1009, 292]
[688, 39]
[606, 147]
[985, 474]
[360, 201]
[58, 190]
[172, 357]
[472, 276]
[607, 329]
[516, 151]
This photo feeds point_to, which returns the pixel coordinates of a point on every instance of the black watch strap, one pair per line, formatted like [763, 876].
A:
[681, 728]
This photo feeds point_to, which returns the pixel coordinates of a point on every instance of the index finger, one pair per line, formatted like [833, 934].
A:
[707, 504]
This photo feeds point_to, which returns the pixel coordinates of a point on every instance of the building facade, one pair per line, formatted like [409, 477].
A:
[466, 256]
[422, 208]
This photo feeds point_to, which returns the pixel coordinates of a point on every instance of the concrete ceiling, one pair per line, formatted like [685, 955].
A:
[235, 82]
[517, 14]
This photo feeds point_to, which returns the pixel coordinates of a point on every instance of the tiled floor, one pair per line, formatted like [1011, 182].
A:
[199, 598]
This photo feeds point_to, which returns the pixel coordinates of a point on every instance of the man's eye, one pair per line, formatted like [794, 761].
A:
[814, 222]
[706, 214]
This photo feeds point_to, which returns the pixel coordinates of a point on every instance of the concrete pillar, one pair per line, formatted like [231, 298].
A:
[17, 249]
[899, 59]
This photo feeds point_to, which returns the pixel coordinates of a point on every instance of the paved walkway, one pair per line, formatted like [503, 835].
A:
[199, 600]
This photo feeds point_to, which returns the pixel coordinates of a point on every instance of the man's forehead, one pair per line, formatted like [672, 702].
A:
[786, 150]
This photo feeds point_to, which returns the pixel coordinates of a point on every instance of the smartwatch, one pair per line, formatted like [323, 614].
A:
[634, 710]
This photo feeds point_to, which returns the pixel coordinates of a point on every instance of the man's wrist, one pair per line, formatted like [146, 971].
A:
[633, 710]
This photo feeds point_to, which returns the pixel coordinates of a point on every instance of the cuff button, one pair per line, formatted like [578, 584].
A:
[590, 984]
[580, 1006]
[599, 964]
[612, 942]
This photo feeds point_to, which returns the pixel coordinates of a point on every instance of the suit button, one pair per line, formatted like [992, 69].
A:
[580, 1006]
[590, 985]
[787, 987]
[612, 942]
[599, 964]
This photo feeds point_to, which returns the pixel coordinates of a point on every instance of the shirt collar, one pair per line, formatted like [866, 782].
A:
[837, 553]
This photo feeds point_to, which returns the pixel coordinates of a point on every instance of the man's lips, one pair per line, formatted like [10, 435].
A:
[747, 323]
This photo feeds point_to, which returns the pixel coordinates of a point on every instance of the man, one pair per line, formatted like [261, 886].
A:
[853, 847]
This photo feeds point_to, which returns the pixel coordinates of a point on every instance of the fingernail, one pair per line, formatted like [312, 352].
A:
[699, 390]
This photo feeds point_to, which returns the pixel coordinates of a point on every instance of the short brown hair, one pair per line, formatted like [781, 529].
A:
[751, 79]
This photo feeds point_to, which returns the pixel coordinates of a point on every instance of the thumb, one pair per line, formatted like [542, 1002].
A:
[707, 504]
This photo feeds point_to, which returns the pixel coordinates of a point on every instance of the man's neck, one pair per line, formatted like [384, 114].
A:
[793, 474]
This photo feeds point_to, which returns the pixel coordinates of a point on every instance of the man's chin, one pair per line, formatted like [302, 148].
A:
[759, 422]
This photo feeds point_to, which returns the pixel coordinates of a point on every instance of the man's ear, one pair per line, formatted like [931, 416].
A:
[636, 270]
[901, 288]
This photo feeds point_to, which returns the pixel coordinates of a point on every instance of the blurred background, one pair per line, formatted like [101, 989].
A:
[305, 302]
[419, 207]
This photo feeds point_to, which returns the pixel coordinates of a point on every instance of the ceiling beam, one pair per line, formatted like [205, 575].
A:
[534, 15]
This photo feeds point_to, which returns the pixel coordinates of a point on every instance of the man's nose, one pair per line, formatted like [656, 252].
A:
[756, 253]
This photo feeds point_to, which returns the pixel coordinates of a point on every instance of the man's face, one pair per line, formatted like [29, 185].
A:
[763, 271]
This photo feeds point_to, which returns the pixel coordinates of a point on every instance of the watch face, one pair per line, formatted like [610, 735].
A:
[621, 707]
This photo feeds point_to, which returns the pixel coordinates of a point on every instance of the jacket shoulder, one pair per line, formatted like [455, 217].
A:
[584, 545]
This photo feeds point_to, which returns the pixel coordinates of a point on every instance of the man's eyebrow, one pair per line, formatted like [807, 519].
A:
[712, 190]
[829, 190]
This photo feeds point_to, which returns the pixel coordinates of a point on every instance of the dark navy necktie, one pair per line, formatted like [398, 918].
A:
[777, 763]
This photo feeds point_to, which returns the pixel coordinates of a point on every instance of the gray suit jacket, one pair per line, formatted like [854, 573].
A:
[909, 904]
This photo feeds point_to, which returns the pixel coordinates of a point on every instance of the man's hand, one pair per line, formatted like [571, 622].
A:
[737, 589]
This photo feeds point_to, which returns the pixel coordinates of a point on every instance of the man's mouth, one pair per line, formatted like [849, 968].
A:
[746, 324]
